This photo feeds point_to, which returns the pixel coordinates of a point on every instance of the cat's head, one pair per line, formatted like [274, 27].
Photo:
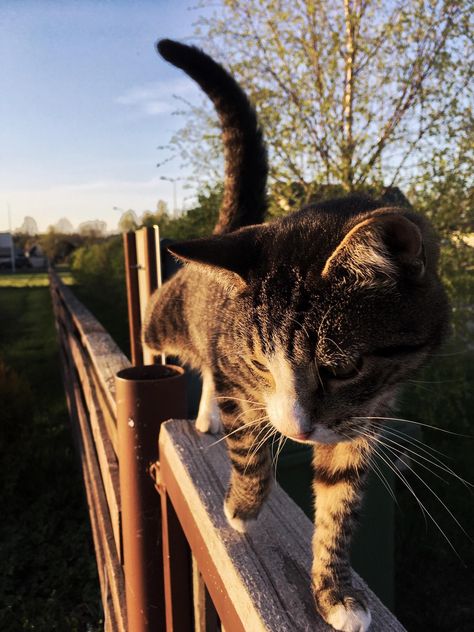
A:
[336, 305]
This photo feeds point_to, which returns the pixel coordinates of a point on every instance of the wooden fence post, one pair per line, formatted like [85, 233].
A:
[146, 396]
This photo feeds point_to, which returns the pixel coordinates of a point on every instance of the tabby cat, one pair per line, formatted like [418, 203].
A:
[308, 323]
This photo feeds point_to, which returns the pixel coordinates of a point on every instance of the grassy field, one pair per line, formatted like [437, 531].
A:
[48, 578]
[32, 278]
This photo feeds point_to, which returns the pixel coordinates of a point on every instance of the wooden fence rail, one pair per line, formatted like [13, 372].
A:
[90, 359]
[211, 578]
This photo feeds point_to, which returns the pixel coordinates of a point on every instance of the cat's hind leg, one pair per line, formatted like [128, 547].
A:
[208, 419]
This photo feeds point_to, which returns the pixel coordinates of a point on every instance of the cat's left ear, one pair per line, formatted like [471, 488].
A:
[235, 253]
[379, 250]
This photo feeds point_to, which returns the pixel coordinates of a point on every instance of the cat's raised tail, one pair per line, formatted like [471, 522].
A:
[246, 168]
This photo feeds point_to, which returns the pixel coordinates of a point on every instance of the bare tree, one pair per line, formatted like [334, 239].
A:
[351, 92]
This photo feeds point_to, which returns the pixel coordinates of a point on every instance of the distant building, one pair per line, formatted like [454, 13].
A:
[36, 257]
[6, 249]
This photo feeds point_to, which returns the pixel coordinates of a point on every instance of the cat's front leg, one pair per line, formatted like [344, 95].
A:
[250, 479]
[208, 418]
[340, 472]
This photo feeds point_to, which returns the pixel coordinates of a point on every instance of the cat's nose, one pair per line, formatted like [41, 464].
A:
[302, 436]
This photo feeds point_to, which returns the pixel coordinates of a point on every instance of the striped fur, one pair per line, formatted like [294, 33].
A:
[300, 328]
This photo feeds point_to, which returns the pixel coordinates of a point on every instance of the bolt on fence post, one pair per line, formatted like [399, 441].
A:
[146, 396]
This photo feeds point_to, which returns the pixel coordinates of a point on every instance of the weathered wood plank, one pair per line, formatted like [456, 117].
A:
[149, 275]
[100, 520]
[65, 327]
[107, 415]
[83, 319]
[266, 572]
[99, 462]
[106, 357]
[112, 619]
[205, 615]
[107, 360]
[105, 452]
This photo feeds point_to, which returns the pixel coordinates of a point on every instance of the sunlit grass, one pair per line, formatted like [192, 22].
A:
[32, 278]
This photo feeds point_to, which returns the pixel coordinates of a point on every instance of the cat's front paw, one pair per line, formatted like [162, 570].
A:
[239, 523]
[209, 419]
[349, 616]
[344, 608]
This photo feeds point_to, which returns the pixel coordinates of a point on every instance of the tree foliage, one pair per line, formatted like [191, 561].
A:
[198, 221]
[356, 92]
[128, 221]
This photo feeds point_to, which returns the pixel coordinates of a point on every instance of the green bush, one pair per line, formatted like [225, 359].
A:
[99, 265]
[99, 271]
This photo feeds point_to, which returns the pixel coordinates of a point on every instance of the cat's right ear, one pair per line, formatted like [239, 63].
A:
[379, 250]
[232, 254]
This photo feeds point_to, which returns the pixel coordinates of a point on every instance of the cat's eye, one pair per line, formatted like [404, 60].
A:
[259, 366]
[344, 371]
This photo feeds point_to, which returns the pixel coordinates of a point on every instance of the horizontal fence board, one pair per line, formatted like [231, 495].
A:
[105, 355]
[66, 326]
[100, 520]
[83, 319]
[105, 452]
[266, 572]
[75, 325]
[107, 359]
[112, 622]
[69, 378]
[107, 415]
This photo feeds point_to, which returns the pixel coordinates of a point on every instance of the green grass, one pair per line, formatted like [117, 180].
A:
[48, 578]
[32, 278]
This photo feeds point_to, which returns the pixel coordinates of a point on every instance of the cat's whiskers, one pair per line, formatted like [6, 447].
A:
[281, 444]
[400, 454]
[268, 430]
[228, 434]
[404, 436]
[402, 450]
[418, 423]
[237, 399]
[399, 474]
[373, 465]
[257, 409]
[437, 462]
[381, 476]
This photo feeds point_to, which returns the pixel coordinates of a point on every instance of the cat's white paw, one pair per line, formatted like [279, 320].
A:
[209, 419]
[238, 524]
[347, 619]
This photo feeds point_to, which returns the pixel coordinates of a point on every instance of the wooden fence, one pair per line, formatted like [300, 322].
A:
[166, 557]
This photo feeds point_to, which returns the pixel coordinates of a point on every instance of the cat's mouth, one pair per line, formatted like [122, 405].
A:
[319, 434]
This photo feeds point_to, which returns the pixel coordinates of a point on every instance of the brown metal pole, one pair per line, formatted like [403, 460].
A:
[177, 571]
[133, 297]
[146, 396]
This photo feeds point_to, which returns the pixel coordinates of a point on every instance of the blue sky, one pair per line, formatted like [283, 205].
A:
[85, 102]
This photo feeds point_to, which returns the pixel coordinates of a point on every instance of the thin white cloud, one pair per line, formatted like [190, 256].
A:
[157, 98]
